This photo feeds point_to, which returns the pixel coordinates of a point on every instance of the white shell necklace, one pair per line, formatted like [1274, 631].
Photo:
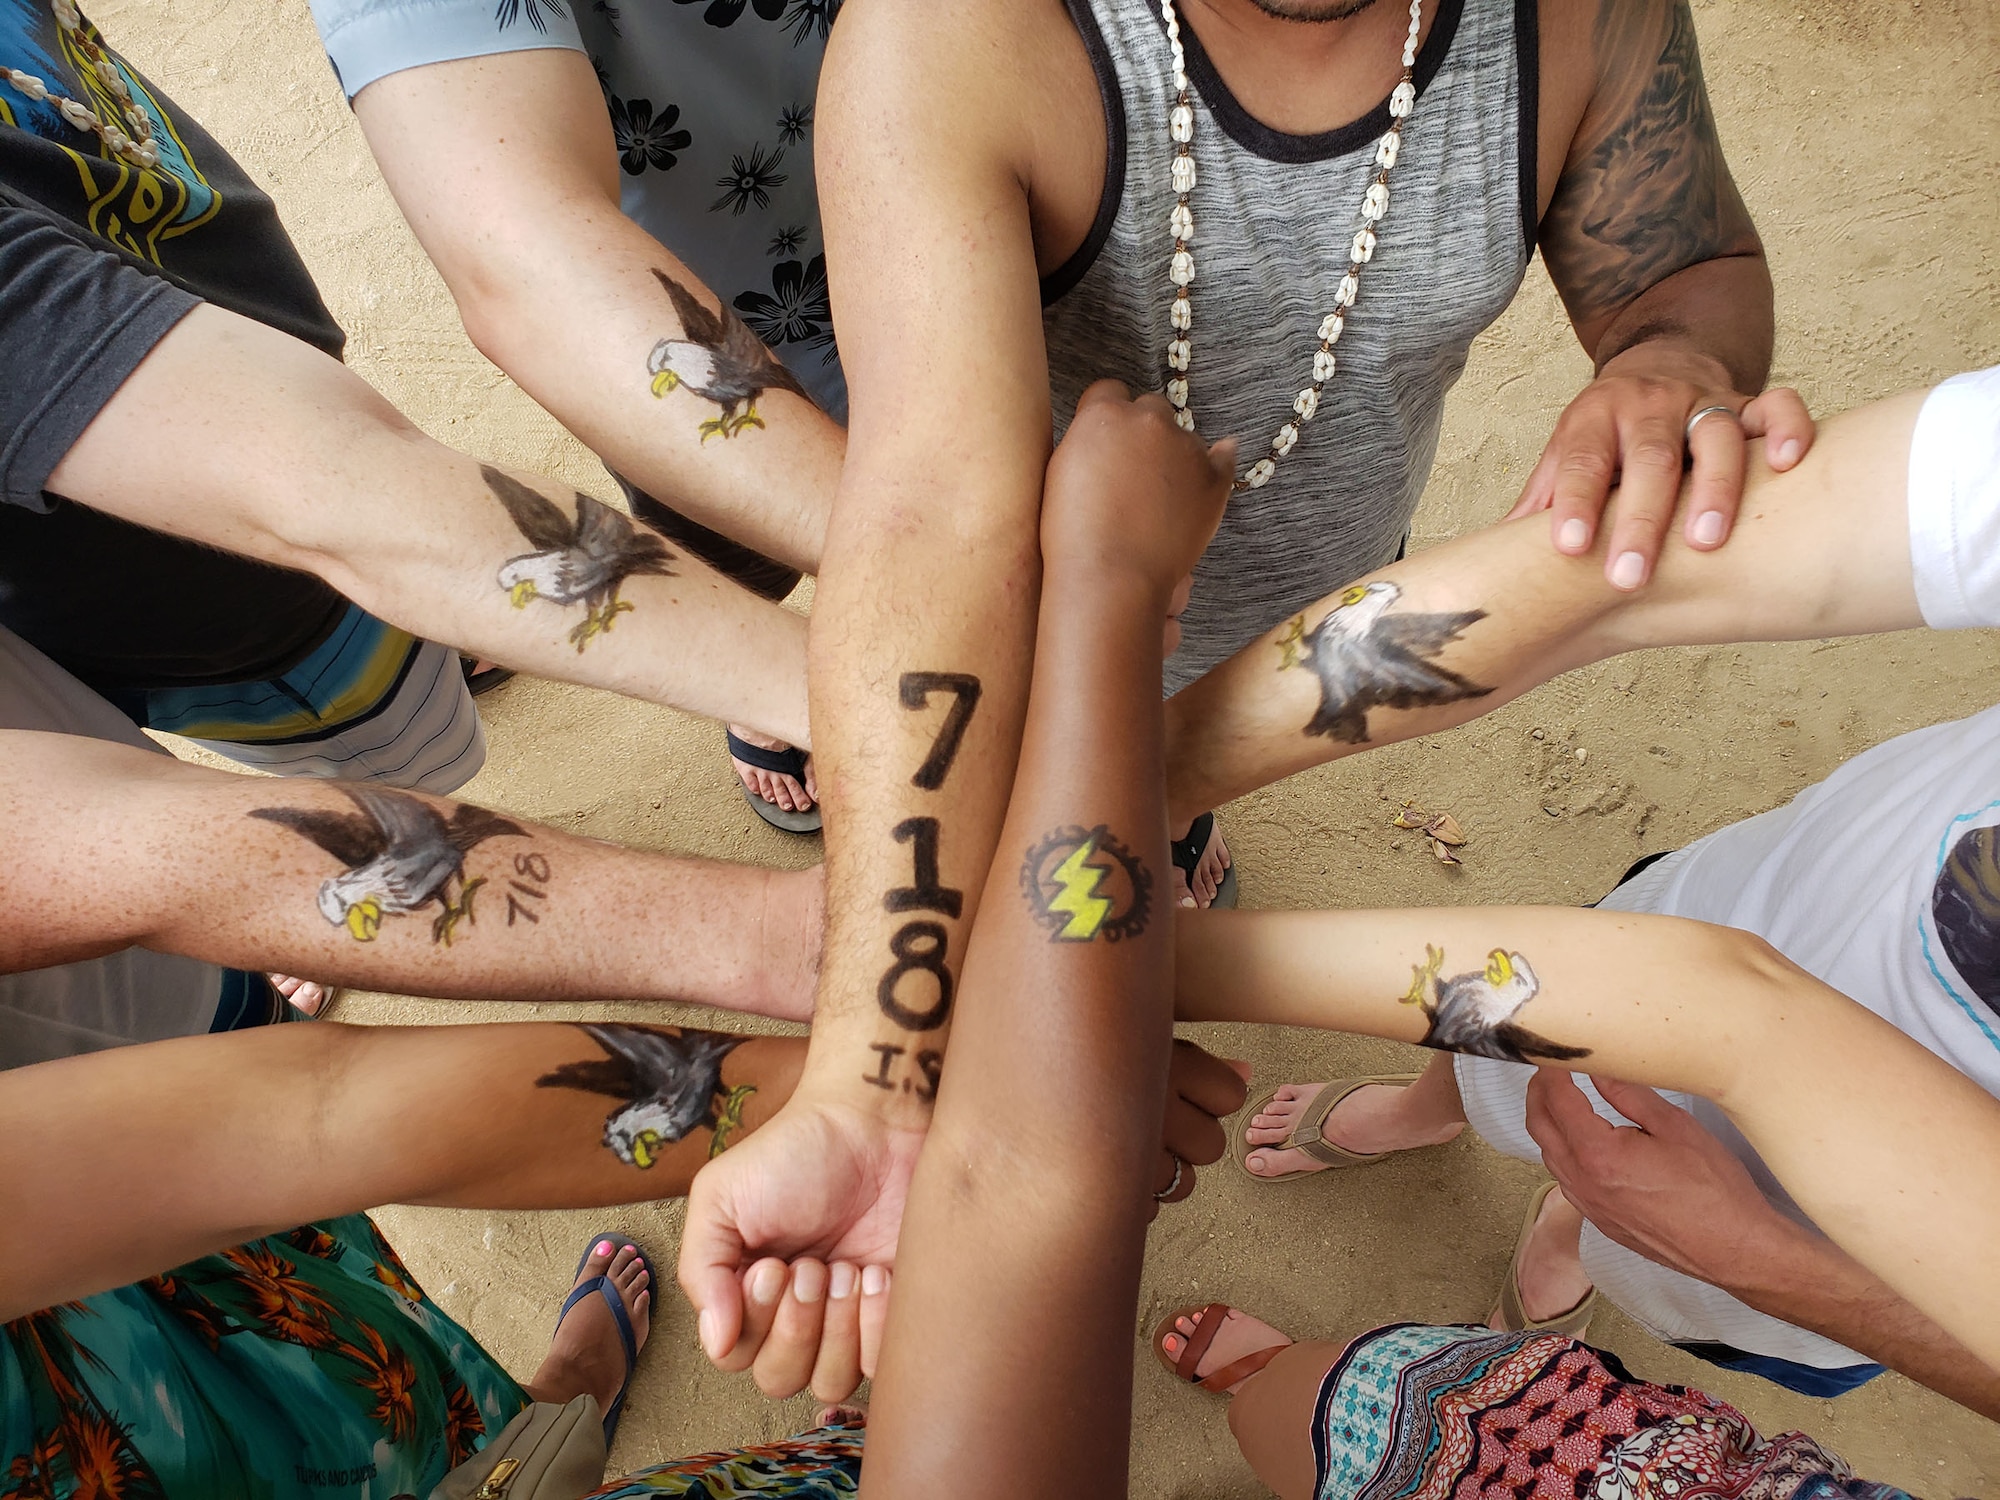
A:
[1374, 207]
[137, 147]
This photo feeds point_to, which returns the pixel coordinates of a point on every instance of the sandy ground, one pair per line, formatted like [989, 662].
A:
[1864, 136]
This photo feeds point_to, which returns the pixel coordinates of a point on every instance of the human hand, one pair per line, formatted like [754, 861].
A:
[1628, 428]
[1202, 1091]
[821, 1184]
[1667, 1189]
[1129, 489]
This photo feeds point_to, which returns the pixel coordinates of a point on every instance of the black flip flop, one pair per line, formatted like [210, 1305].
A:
[790, 761]
[1187, 854]
[486, 681]
[601, 1286]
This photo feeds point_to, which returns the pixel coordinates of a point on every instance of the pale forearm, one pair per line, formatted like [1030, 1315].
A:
[1518, 612]
[1847, 1111]
[234, 435]
[220, 1139]
[116, 848]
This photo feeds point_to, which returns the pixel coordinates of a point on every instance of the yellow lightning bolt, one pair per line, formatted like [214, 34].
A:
[1078, 899]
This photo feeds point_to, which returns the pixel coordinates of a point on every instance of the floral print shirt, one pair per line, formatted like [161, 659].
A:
[711, 104]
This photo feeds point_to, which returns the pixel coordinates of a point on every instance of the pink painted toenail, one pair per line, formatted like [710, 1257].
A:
[603, 1247]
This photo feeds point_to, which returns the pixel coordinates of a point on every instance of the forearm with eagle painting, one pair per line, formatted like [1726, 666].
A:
[247, 1133]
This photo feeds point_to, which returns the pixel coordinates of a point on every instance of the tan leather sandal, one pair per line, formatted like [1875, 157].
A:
[1207, 1322]
[1308, 1135]
[1510, 1315]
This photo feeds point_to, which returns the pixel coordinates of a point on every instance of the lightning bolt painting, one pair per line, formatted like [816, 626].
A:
[1083, 884]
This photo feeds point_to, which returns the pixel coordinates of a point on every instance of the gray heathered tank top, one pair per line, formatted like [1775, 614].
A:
[1274, 218]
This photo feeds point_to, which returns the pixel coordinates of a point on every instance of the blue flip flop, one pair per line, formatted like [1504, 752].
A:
[601, 1285]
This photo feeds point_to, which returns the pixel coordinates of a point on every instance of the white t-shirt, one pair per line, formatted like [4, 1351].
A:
[711, 106]
[1883, 881]
[133, 996]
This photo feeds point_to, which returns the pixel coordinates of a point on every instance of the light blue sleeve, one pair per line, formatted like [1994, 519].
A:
[370, 39]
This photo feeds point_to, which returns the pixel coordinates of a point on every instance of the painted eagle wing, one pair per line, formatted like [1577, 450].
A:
[609, 534]
[1426, 635]
[698, 324]
[1345, 693]
[348, 837]
[761, 370]
[404, 821]
[470, 826]
[537, 517]
[664, 1065]
[1399, 674]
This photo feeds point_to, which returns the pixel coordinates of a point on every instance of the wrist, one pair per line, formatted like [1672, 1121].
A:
[1669, 357]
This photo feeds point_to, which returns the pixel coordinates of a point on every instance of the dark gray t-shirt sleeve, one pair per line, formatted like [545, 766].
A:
[75, 321]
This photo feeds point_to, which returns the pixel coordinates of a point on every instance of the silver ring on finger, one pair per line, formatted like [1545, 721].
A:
[1710, 411]
[1174, 1186]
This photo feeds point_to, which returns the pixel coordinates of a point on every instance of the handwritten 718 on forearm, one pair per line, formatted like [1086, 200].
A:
[915, 991]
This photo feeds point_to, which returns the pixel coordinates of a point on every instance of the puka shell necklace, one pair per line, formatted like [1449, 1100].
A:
[1374, 208]
[138, 147]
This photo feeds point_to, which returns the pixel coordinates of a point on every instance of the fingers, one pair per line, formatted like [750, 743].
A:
[1212, 1085]
[1779, 416]
[763, 1287]
[1104, 392]
[837, 1371]
[1582, 459]
[1642, 1106]
[1559, 1117]
[1222, 459]
[1539, 492]
[874, 1315]
[1649, 461]
[1192, 1134]
[711, 1251]
[1166, 1175]
[1715, 489]
[790, 1350]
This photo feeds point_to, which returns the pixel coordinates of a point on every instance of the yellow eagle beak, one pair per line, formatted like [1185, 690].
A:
[646, 1148]
[665, 381]
[1499, 967]
[522, 592]
[364, 919]
[1354, 596]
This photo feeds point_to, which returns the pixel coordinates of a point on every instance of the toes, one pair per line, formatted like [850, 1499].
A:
[600, 1256]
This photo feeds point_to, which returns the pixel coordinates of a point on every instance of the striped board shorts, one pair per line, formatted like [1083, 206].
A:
[370, 703]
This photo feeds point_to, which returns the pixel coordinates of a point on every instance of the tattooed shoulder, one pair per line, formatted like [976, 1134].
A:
[669, 1084]
[1474, 1013]
[1082, 883]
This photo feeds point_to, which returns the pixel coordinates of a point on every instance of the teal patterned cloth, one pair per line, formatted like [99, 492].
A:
[824, 1464]
[304, 1364]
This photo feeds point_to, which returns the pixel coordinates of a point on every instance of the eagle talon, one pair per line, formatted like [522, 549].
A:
[447, 920]
[1423, 976]
[597, 622]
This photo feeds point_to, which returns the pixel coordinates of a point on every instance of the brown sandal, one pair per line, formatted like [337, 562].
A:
[1208, 1322]
[1308, 1134]
[1510, 1315]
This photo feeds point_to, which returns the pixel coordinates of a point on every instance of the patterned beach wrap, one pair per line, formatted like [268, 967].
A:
[824, 1464]
[303, 1364]
[1415, 1412]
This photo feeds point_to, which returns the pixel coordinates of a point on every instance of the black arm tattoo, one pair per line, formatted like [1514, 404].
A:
[669, 1080]
[1651, 194]
[400, 854]
[1474, 1013]
[718, 359]
[574, 562]
[916, 689]
[1368, 658]
[1082, 883]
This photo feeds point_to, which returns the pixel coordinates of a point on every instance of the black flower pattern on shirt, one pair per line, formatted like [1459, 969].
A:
[793, 123]
[787, 240]
[808, 18]
[727, 12]
[797, 309]
[507, 12]
[643, 140]
[610, 13]
[750, 180]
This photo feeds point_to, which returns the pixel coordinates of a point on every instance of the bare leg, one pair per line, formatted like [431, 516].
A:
[1551, 1278]
[1374, 1119]
[1272, 1417]
[587, 1355]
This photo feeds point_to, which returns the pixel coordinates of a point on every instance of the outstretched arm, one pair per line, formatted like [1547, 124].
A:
[109, 847]
[506, 169]
[1820, 550]
[1892, 1152]
[1017, 1244]
[236, 435]
[122, 1164]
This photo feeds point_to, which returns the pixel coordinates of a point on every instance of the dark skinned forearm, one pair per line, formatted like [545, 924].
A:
[1066, 997]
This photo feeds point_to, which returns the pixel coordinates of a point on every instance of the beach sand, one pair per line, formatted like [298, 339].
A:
[1864, 137]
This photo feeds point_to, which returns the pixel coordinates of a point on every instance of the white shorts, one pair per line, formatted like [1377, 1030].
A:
[1955, 503]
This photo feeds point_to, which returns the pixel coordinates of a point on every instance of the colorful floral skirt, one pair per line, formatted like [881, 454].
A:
[1417, 1412]
[824, 1464]
[303, 1364]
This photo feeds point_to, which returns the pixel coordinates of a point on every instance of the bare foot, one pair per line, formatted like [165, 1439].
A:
[1207, 871]
[842, 1414]
[1551, 1279]
[782, 791]
[1368, 1121]
[1240, 1335]
[586, 1354]
[305, 995]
